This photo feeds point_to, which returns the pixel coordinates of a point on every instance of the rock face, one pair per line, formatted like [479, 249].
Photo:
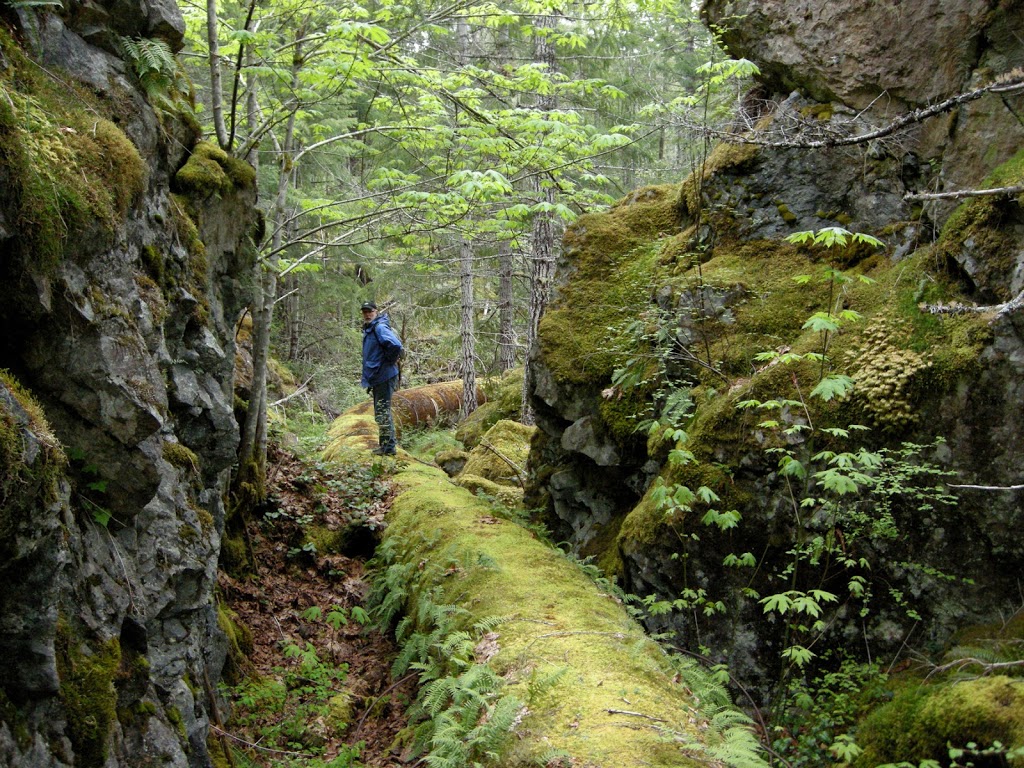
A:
[119, 290]
[635, 331]
[889, 57]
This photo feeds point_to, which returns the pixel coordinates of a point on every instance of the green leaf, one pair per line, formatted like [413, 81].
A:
[833, 386]
[778, 603]
[706, 495]
[821, 322]
[799, 655]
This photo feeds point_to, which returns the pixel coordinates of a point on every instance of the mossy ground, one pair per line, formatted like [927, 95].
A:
[595, 662]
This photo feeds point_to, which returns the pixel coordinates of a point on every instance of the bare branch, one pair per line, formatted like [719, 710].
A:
[987, 667]
[964, 193]
[990, 487]
[1011, 85]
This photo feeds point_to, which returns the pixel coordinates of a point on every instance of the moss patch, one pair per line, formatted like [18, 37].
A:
[70, 168]
[922, 719]
[504, 401]
[501, 455]
[87, 690]
[31, 461]
[978, 228]
[181, 456]
[210, 170]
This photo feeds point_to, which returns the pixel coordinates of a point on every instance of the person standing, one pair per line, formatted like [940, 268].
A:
[381, 351]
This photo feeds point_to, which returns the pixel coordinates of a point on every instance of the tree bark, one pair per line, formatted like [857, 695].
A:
[542, 236]
[252, 453]
[466, 328]
[216, 87]
[506, 311]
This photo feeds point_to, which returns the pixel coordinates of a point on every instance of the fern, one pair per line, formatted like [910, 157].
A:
[465, 716]
[156, 68]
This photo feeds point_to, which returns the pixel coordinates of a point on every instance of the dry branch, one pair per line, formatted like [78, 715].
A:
[963, 193]
[1011, 84]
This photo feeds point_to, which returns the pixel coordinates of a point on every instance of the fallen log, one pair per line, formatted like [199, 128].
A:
[429, 405]
[595, 690]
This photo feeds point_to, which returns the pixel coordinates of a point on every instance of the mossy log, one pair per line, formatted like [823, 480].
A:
[424, 406]
[612, 697]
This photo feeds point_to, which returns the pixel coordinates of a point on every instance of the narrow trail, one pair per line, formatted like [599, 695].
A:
[290, 580]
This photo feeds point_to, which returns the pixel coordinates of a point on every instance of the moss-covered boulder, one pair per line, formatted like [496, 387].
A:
[924, 721]
[501, 454]
[680, 360]
[504, 400]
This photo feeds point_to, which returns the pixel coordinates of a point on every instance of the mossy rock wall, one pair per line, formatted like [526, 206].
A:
[638, 316]
[118, 300]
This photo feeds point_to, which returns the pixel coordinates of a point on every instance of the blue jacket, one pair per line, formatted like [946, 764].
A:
[381, 349]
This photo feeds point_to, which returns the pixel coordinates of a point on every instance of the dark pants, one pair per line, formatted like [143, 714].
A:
[382, 414]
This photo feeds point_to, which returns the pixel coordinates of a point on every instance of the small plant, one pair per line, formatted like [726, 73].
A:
[290, 712]
[93, 490]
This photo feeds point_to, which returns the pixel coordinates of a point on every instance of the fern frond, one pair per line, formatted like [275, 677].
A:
[439, 694]
[488, 624]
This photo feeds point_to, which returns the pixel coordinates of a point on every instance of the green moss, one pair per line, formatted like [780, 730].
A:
[24, 486]
[821, 112]
[180, 456]
[326, 541]
[206, 522]
[501, 455]
[580, 334]
[508, 496]
[606, 657]
[137, 714]
[979, 225]
[71, 168]
[922, 719]
[504, 401]
[787, 215]
[15, 721]
[153, 261]
[724, 159]
[240, 642]
[211, 171]
[174, 718]
[87, 691]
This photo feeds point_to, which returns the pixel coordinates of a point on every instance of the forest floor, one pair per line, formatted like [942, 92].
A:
[274, 603]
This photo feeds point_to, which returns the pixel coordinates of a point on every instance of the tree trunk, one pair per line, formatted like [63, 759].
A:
[252, 453]
[542, 268]
[466, 328]
[506, 311]
[216, 87]
[542, 236]
[292, 315]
